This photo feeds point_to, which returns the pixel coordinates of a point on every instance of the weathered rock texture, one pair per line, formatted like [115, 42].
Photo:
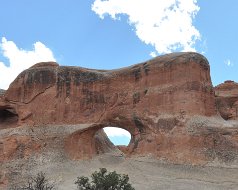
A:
[227, 100]
[167, 104]
[50, 94]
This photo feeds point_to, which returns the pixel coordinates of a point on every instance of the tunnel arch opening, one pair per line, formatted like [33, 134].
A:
[92, 140]
[118, 136]
[112, 139]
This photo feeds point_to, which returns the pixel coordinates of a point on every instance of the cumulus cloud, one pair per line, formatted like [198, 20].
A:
[153, 54]
[20, 59]
[116, 132]
[229, 63]
[165, 24]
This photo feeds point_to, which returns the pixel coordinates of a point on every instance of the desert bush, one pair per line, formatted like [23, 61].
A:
[104, 180]
[40, 182]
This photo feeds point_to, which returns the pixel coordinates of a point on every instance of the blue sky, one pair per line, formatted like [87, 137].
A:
[116, 33]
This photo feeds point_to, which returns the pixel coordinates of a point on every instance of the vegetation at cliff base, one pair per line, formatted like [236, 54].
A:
[100, 180]
[40, 182]
[103, 180]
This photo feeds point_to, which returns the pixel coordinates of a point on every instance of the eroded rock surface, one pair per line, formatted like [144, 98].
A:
[175, 84]
[227, 100]
[168, 104]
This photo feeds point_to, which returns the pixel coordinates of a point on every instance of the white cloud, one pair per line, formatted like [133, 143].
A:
[229, 63]
[20, 59]
[116, 132]
[165, 24]
[153, 54]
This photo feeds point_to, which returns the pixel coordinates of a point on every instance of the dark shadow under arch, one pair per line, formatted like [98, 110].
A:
[8, 117]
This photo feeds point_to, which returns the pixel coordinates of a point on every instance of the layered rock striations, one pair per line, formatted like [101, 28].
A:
[167, 104]
[173, 84]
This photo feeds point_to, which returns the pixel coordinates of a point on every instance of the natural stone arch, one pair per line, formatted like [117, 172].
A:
[104, 143]
[82, 144]
[118, 136]
[156, 101]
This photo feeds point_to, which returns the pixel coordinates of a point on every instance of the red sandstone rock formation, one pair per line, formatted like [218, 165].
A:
[164, 103]
[51, 94]
[227, 100]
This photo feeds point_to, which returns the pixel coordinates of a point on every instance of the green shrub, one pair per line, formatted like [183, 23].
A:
[104, 180]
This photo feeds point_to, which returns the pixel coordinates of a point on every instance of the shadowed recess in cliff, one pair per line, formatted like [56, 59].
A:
[8, 117]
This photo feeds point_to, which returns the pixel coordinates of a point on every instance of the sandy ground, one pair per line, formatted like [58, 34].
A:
[149, 174]
[145, 173]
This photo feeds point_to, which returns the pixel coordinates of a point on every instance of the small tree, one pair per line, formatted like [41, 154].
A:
[104, 181]
[37, 183]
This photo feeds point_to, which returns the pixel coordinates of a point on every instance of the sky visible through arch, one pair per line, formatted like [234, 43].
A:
[108, 34]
